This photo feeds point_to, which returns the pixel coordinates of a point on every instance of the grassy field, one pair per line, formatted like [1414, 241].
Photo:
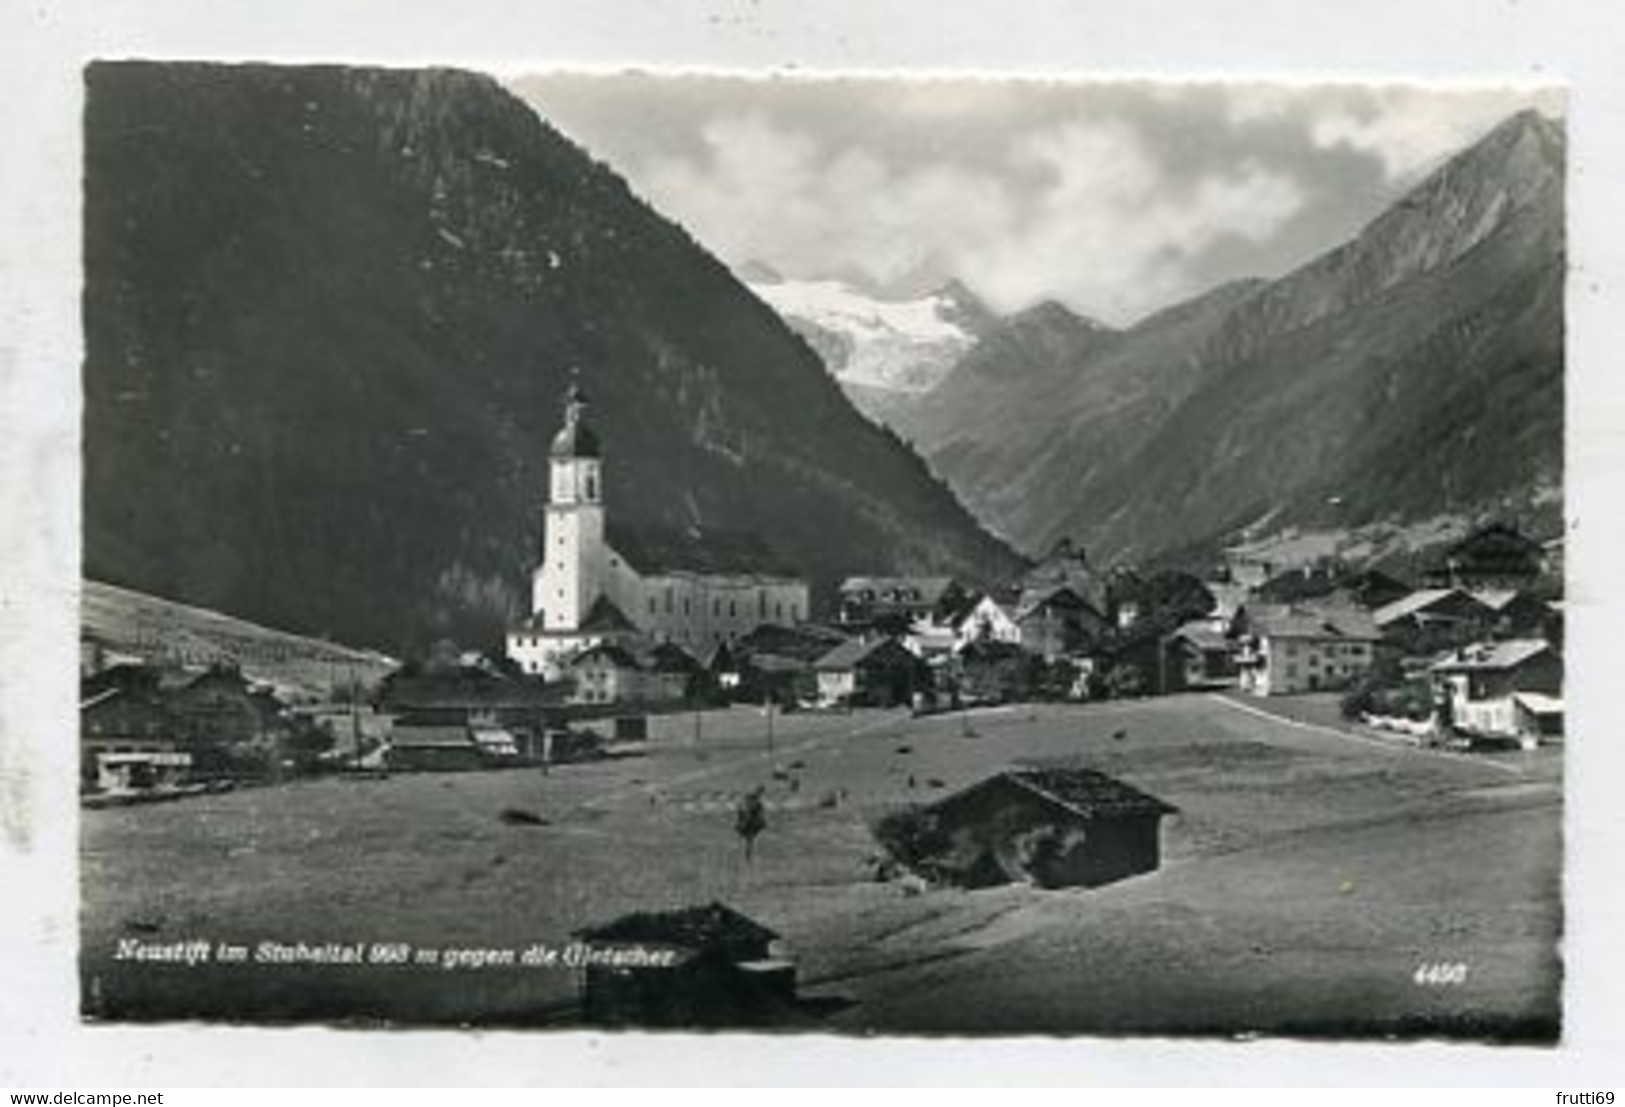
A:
[134, 624]
[1308, 876]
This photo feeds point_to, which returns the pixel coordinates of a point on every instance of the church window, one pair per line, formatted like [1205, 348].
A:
[651, 605]
[685, 605]
[733, 609]
[592, 487]
[668, 599]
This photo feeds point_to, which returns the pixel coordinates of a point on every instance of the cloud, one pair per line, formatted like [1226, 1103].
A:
[1116, 198]
[765, 191]
[1084, 212]
[1412, 129]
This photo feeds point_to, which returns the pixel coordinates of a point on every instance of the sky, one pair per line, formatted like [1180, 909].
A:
[1115, 198]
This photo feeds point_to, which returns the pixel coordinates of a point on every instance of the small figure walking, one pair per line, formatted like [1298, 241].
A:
[750, 819]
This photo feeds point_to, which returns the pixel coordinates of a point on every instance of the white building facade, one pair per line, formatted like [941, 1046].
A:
[595, 583]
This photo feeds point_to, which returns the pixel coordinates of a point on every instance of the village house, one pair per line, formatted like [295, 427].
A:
[1513, 613]
[992, 618]
[1067, 566]
[444, 714]
[1289, 649]
[221, 708]
[1493, 556]
[873, 673]
[1049, 621]
[776, 663]
[1482, 683]
[129, 740]
[1055, 621]
[637, 673]
[901, 600]
[1197, 657]
[597, 579]
[698, 966]
[1433, 618]
[1051, 826]
[142, 726]
[1373, 588]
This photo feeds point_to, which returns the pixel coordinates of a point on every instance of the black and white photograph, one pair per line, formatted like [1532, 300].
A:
[822, 553]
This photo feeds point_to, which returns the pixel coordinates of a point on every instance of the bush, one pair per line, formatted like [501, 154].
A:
[911, 837]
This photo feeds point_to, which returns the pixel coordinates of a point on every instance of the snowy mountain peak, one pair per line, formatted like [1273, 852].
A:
[904, 345]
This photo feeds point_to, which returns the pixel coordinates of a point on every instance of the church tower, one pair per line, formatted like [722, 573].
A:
[569, 575]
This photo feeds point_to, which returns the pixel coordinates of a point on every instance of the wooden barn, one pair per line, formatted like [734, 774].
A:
[1054, 827]
[695, 966]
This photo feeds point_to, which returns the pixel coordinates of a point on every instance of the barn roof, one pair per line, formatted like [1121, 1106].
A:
[1089, 793]
[715, 924]
[1083, 792]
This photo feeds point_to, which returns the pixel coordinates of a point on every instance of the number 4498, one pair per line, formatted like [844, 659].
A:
[1434, 974]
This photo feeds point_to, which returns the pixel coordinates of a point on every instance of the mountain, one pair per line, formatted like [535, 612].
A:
[1049, 401]
[330, 313]
[1414, 372]
[884, 352]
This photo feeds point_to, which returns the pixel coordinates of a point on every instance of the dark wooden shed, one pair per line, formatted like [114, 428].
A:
[1050, 826]
[718, 971]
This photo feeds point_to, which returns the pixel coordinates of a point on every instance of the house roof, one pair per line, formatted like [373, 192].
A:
[1200, 633]
[668, 657]
[1084, 792]
[618, 656]
[1062, 595]
[652, 550]
[696, 928]
[1498, 599]
[99, 697]
[854, 652]
[807, 641]
[1003, 600]
[1491, 656]
[1415, 603]
[1539, 703]
[930, 589]
[1308, 622]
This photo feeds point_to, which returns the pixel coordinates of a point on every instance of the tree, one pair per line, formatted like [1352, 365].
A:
[750, 819]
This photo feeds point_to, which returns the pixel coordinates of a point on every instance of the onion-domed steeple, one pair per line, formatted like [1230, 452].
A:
[576, 439]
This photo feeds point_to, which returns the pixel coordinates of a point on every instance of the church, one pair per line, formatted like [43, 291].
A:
[598, 581]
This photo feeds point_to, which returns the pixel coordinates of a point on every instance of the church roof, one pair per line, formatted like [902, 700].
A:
[652, 549]
[603, 617]
[576, 439]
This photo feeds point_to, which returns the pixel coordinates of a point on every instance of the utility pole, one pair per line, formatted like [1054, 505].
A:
[768, 706]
